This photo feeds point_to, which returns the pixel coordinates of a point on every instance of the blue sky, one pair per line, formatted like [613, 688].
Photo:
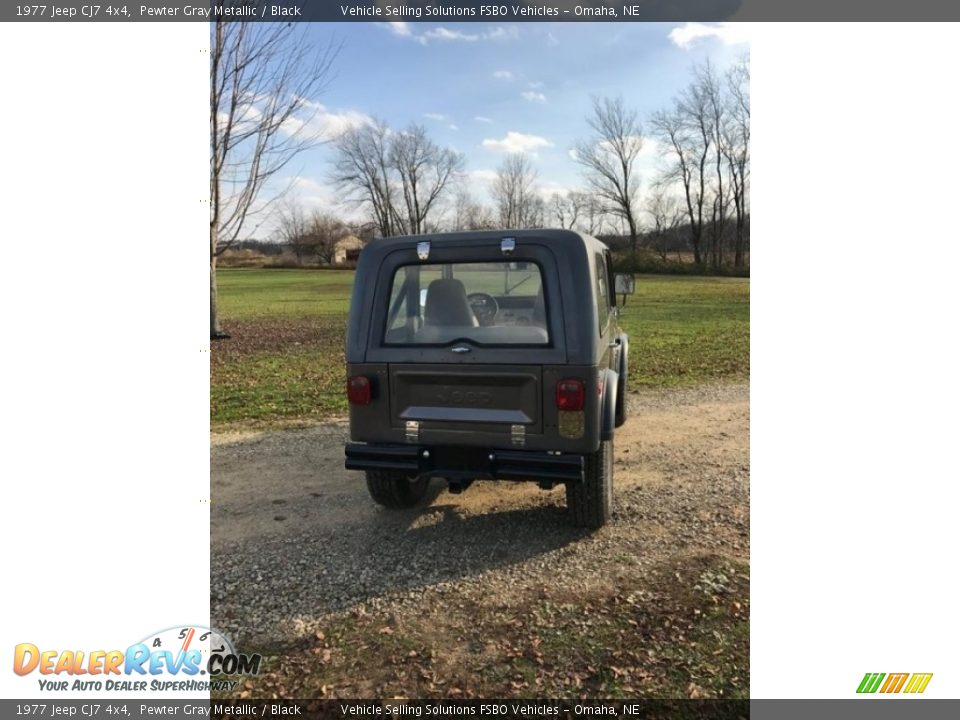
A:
[486, 89]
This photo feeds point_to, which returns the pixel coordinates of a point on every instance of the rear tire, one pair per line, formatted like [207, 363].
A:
[395, 491]
[621, 409]
[590, 502]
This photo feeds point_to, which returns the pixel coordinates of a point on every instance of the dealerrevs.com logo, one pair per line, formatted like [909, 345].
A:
[911, 683]
[182, 659]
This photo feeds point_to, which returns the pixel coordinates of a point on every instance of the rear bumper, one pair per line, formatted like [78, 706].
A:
[465, 463]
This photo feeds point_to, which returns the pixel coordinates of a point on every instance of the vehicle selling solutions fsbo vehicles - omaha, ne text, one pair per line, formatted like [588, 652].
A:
[486, 355]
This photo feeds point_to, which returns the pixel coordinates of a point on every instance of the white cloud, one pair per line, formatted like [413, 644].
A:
[548, 188]
[728, 33]
[516, 142]
[503, 75]
[482, 176]
[502, 33]
[534, 97]
[445, 34]
[312, 193]
[442, 118]
[442, 33]
[324, 123]
[552, 40]
[483, 119]
[402, 29]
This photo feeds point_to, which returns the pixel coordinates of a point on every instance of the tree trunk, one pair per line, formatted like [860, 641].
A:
[738, 257]
[215, 332]
[214, 320]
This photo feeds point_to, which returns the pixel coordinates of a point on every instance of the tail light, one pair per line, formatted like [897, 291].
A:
[358, 390]
[570, 395]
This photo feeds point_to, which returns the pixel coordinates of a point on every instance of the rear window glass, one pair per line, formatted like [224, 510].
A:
[490, 303]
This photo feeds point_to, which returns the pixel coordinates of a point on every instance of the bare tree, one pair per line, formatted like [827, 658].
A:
[468, 214]
[714, 108]
[515, 195]
[292, 226]
[325, 231]
[399, 177]
[264, 79]
[566, 208]
[363, 231]
[664, 210]
[736, 149]
[609, 157]
[425, 170]
[593, 215]
[682, 138]
[535, 213]
[580, 210]
[362, 172]
[706, 137]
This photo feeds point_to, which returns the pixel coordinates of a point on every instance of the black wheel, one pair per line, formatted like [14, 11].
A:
[393, 490]
[590, 501]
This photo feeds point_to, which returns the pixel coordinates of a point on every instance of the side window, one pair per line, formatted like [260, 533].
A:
[398, 306]
[611, 282]
[603, 296]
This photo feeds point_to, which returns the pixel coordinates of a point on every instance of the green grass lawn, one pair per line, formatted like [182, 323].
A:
[285, 360]
[252, 293]
[686, 330]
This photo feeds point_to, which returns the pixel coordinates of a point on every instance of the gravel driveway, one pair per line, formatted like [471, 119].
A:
[295, 540]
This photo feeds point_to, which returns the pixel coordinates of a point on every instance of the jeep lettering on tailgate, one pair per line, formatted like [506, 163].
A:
[486, 355]
[460, 398]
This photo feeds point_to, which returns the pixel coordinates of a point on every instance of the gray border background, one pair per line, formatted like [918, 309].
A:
[561, 10]
[890, 708]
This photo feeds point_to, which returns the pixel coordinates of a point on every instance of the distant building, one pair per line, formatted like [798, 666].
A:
[347, 250]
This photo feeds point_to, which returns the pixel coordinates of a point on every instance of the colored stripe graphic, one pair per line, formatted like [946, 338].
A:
[870, 682]
[918, 682]
[894, 682]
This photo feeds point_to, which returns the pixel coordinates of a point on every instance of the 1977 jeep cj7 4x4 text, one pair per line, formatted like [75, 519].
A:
[486, 355]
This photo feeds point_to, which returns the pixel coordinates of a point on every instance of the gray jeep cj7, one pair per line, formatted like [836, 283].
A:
[486, 355]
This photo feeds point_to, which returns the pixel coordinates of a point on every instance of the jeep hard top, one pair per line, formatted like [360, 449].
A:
[486, 355]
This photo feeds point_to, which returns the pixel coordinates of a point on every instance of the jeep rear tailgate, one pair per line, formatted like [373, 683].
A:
[466, 397]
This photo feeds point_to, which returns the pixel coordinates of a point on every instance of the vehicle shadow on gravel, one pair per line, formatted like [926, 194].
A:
[262, 591]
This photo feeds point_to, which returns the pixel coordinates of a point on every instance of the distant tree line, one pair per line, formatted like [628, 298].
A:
[265, 85]
[697, 204]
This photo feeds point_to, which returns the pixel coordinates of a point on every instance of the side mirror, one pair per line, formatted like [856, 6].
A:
[623, 283]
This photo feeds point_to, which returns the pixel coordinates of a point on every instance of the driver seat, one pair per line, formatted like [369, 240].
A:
[447, 304]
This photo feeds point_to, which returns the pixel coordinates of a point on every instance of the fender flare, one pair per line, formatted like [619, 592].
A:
[608, 408]
[622, 372]
[624, 355]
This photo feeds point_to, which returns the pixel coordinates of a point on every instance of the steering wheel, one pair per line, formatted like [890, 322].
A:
[484, 306]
